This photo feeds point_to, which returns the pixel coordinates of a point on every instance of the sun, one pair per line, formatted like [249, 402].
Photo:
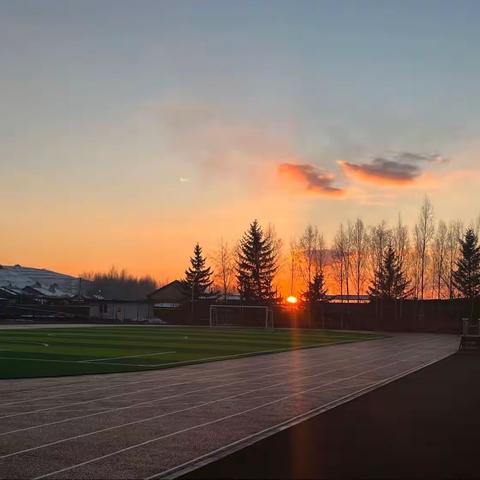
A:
[291, 299]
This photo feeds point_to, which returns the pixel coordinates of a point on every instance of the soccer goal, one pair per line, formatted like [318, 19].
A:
[259, 316]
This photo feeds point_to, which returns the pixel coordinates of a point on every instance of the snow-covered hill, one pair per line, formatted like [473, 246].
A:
[21, 277]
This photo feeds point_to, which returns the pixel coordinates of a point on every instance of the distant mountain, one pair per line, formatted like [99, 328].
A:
[21, 277]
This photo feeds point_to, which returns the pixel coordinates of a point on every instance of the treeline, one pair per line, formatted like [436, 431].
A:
[393, 261]
[118, 285]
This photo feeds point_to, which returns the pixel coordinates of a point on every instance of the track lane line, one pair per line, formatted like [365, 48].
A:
[156, 417]
[143, 381]
[136, 405]
[124, 394]
[123, 374]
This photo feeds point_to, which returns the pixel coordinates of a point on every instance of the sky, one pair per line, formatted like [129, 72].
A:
[132, 129]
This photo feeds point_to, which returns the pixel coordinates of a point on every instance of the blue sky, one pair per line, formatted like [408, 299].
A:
[125, 114]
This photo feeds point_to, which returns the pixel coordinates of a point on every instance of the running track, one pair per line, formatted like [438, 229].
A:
[164, 423]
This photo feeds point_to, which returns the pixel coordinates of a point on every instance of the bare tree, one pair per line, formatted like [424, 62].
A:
[455, 230]
[341, 254]
[358, 240]
[424, 231]
[401, 241]
[311, 252]
[224, 267]
[402, 247]
[439, 258]
[379, 237]
[338, 273]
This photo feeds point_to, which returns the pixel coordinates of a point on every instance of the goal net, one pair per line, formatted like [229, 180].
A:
[259, 316]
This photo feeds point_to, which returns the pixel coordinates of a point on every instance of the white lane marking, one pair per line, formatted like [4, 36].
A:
[211, 422]
[146, 380]
[193, 464]
[235, 355]
[146, 402]
[127, 356]
[136, 405]
[151, 374]
[156, 417]
[96, 399]
[122, 385]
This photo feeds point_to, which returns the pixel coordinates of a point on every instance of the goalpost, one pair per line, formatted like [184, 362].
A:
[241, 316]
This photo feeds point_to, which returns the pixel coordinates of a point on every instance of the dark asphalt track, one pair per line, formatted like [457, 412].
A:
[425, 425]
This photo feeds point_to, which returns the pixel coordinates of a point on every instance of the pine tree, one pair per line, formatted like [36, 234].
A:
[466, 277]
[256, 265]
[316, 289]
[390, 281]
[197, 276]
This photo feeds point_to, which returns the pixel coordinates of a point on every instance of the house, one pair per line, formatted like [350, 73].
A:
[43, 293]
[170, 296]
[13, 295]
[347, 298]
[121, 310]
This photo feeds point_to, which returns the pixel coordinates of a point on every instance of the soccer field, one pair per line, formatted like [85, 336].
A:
[86, 350]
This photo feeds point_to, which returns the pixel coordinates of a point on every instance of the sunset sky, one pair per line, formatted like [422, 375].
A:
[129, 130]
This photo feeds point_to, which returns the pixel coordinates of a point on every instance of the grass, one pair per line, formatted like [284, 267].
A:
[27, 353]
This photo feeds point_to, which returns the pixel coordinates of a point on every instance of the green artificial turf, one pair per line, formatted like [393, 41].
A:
[64, 351]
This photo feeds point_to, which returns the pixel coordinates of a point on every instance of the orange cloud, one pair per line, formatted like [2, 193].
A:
[311, 178]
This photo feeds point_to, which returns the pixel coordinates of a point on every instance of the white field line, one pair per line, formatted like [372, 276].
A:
[195, 463]
[151, 389]
[88, 335]
[188, 362]
[218, 357]
[23, 342]
[156, 417]
[136, 405]
[146, 380]
[211, 422]
[152, 374]
[121, 385]
[99, 360]
[36, 359]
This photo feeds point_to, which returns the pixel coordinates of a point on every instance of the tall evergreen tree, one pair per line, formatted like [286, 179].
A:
[466, 277]
[198, 275]
[316, 289]
[256, 265]
[390, 280]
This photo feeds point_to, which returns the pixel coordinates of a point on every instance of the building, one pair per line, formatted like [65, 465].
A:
[121, 310]
[171, 295]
